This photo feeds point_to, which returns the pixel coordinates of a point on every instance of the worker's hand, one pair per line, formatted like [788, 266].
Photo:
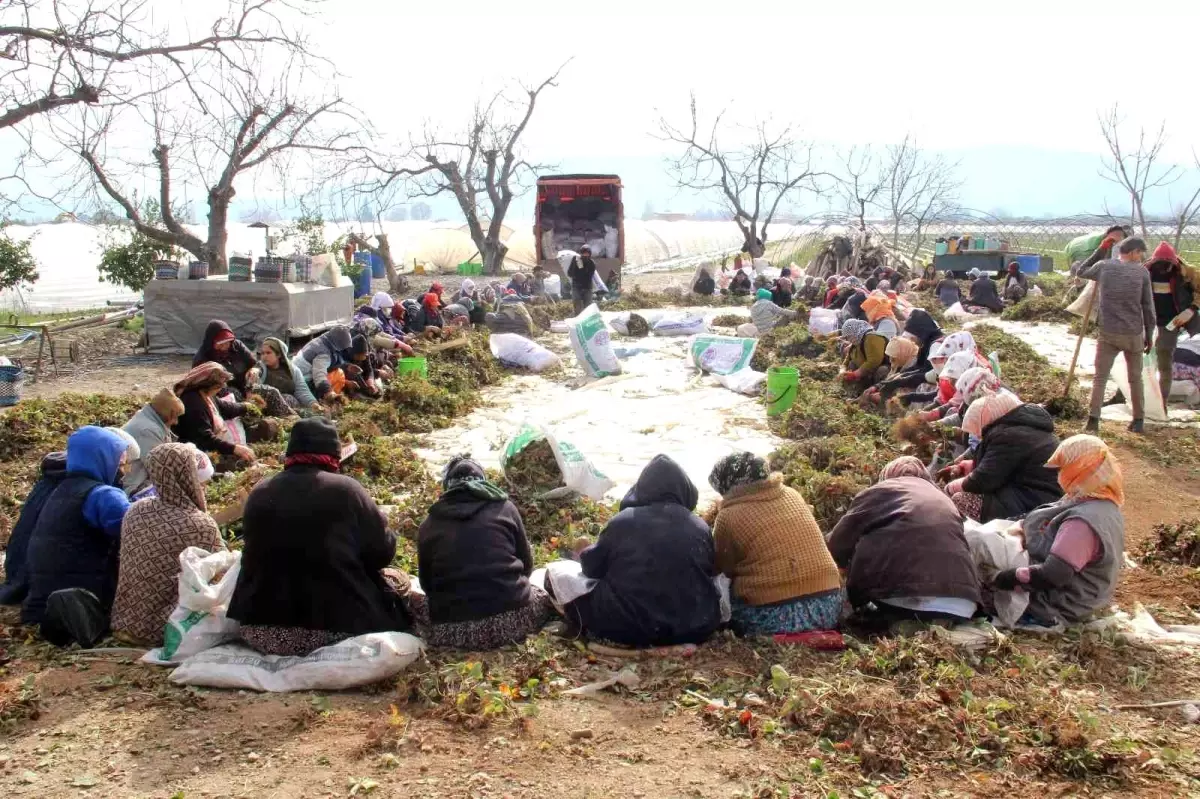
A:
[317, 407]
[252, 377]
[955, 486]
[1109, 242]
[353, 370]
[1149, 345]
[850, 377]
[1006, 580]
[1183, 318]
[951, 472]
[928, 416]
[243, 453]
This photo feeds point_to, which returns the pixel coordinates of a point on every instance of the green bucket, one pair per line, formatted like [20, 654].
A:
[414, 365]
[781, 389]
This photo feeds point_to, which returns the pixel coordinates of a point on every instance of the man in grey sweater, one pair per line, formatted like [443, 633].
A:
[1127, 322]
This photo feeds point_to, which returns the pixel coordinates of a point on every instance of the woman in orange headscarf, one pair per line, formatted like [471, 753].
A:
[1075, 545]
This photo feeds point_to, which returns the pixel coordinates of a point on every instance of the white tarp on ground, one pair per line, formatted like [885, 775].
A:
[659, 405]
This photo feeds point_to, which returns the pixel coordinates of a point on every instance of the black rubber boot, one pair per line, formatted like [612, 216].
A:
[1138, 426]
[1093, 425]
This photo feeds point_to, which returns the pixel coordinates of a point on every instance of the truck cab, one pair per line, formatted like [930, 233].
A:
[574, 211]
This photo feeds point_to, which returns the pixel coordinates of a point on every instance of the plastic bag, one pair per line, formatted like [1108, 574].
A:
[579, 475]
[958, 313]
[1080, 247]
[1081, 302]
[822, 321]
[552, 285]
[592, 345]
[747, 330]
[358, 661]
[1151, 396]
[994, 550]
[679, 324]
[745, 381]
[722, 355]
[509, 348]
[206, 583]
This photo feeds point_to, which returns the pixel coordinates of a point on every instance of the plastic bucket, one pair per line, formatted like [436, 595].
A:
[1029, 264]
[414, 365]
[378, 270]
[362, 285]
[782, 382]
[12, 380]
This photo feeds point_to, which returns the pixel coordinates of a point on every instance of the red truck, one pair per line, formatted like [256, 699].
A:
[574, 211]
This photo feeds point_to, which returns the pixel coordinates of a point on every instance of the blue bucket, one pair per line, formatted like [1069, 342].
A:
[1029, 264]
[378, 270]
[12, 380]
[362, 285]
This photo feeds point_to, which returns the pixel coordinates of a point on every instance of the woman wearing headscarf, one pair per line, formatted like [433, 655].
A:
[153, 533]
[783, 290]
[76, 541]
[903, 547]
[984, 295]
[319, 356]
[206, 411]
[431, 305]
[474, 563]
[221, 346]
[466, 290]
[702, 281]
[1076, 545]
[151, 426]
[1008, 476]
[1016, 284]
[866, 359]
[924, 330]
[831, 291]
[316, 547]
[783, 579]
[282, 375]
[653, 565]
[766, 315]
[740, 285]
[881, 313]
[361, 369]
[948, 290]
[468, 296]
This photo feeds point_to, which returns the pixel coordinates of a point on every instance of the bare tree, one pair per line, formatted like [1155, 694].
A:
[1186, 211]
[482, 167]
[752, 177]
[860, 185]
[242, 129]
[1137, 171]
[59, 53]
[919, 191]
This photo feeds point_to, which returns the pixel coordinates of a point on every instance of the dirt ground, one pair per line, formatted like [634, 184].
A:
[87, 724]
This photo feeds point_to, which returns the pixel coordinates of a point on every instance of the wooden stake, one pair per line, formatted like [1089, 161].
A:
[1087, 316]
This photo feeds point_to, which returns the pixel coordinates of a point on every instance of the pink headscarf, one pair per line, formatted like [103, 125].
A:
[986, 410]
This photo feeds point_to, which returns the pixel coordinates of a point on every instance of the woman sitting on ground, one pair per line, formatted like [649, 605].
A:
[315, 550]
[769, 546]
[206, 412]
[948, 290]
[432, 305]
[362, 370]
[1016, 284]
[903, 547]
[76, 541]
[703, 284]
[319, 356]
[1076, 545]
[866, 360]
[221, 346]
[984, 294]
[150, 427]
[783, 289]
[474, 563]
[282, 375]
[653, 565]
[922, 329]
[740, 285]
[881, 313]
[1008, 476]
[52, 471]
[767, 315]
[153, 534]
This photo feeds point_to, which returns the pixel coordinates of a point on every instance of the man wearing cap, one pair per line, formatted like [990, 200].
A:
[581, 272]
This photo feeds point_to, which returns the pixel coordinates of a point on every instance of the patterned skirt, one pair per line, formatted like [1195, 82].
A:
[807, 614]
[492, 632]
[294, 641]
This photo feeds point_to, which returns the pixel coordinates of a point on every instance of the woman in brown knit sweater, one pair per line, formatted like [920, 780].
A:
[769, 546]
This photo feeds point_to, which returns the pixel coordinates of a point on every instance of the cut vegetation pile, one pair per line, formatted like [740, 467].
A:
[534, 470]
[1173, 543]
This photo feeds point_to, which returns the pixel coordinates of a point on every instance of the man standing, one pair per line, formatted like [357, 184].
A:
[582, 272]
[1127, 320]
[1175, 286]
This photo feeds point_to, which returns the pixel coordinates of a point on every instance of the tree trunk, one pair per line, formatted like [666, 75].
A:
[493, 254]
[218, 233]
[384, 252]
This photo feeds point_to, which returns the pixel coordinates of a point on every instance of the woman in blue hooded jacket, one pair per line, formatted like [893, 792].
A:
[653, 565]
[77, 538]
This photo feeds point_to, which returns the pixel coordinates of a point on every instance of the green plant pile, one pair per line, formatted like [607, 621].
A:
[1034, 308]
[1173, 543]
[1029, 374]
[637, 326]
[791, 345]
[928, 301]
[728, 320]
[534, 470]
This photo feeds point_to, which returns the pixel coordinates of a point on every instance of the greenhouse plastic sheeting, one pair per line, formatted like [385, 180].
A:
[177, 311]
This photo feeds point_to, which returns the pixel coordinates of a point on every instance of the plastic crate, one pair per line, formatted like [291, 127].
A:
[467, 269]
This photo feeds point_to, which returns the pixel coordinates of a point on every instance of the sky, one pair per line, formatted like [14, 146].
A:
[1009, 90]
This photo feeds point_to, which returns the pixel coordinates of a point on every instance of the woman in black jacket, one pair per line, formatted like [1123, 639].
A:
[315, 550]
[1008, 476]
[924, 329]
[221, 346]
[474, 563]
[206, 410]
[653, 565]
